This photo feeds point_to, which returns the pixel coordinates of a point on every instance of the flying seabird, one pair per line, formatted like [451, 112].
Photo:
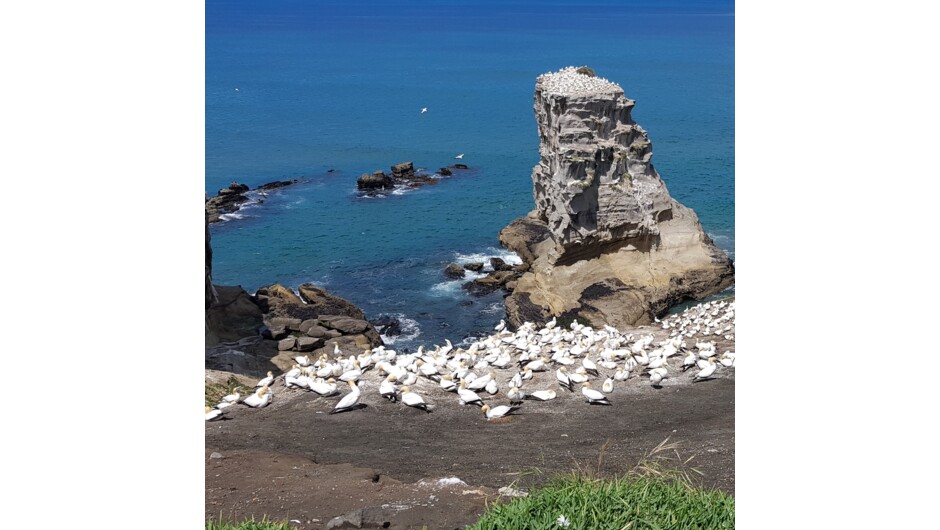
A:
[459, 156]
[423, 110]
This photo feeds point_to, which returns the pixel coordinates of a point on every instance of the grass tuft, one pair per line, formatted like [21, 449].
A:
[216, 391]
[248, 524]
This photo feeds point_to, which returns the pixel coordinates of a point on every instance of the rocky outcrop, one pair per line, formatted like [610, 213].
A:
[605, 240]
[231, 199]
[211, 295]
[402, 175]
[454, 271]
[376, 181]
[234, 315]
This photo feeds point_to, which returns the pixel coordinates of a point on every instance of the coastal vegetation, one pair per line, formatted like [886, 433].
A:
[248, 524]
[658, 492]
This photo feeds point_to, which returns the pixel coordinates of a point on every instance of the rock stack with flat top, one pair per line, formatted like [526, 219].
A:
[605, 240]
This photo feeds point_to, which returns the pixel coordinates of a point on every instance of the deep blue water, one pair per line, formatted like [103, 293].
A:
[340, 86]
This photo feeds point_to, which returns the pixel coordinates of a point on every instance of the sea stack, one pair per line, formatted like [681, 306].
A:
[605, 240]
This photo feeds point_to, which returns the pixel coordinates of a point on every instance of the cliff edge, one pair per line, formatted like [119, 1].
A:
[605, 240]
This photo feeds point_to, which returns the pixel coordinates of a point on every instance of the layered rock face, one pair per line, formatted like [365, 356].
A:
[605, 240]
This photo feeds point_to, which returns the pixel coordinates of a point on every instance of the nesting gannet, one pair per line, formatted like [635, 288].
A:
[302, 360]
[214, 414]
[727, 359]
[233, 397]
[491, 387]
[515, 395]
[480, 382]
[266, 381]
[593, 396]
[300, 381]
[448, 384]
[498, 412]
[387, 388]
[224, 404]
[516, 380]
[579, 376]
[608, 386]
[468, 396]
[562, 376]
[542, 395]
[707, 371]
[259, 399]
[324, 388]
[501, 326]
[621, 374]
[349, 400]
[413, 400]
[351, 375]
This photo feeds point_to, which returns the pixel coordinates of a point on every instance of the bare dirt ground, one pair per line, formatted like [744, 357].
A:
[292, 460]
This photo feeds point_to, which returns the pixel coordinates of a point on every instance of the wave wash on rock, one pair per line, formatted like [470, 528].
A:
[605, 240]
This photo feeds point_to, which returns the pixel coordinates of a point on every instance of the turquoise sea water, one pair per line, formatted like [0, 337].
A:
[340, 86]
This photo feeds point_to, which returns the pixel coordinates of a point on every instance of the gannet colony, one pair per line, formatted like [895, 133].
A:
[500, 372]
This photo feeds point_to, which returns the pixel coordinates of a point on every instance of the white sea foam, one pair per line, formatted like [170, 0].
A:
[493, 308]
[230, 216]
[484, 257]
[401, 190]
[409, 329]
[446, 289]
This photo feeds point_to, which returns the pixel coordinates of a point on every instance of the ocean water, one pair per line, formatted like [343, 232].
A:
[296, 89]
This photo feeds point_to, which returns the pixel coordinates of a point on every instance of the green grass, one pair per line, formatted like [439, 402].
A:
[216, 391]
[652, 496]
[248, 524]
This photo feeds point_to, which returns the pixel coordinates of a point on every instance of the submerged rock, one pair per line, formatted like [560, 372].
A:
[605, 239]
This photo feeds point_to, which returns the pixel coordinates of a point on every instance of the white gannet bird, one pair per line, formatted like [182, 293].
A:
[259, 399]
[423, 110]
[608, 386]
[657, 375]
[266, 381]
[233, 397]
[413, 400]
[689, 361]
[727, 359]
[352, 375]
[542, 395]
[324, 388]
[299, 380]
[302, 360]
[589, 366]
[448, 384]
[707, 371]
[491, 387]
[215, 414]
[468, 396]
[349, 401]
[515, 395]
[562, 376]
[516, 380]
[593, 396]
[459, 156]
[293, 372]
[621, 374]
[387, 388]
[498, 412]
[480, 382]
[224, 405]
[579, 376]
[501, 326]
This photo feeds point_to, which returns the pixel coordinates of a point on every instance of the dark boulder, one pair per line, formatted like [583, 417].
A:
[276, 184]
[444, 172]
[475, 267]
[328, 304]
[405, 170]
[376, 181]
[454, 271]
[500, 265]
